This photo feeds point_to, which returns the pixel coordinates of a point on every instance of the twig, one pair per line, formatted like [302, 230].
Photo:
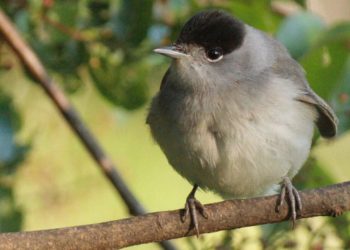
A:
[332, 200]
[75, 34]
[37, 70]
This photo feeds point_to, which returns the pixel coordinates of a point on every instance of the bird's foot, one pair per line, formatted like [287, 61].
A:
[191, 207]
[293, 198]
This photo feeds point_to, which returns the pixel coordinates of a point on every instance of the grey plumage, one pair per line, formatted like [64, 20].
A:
[236, 120]
[327, 121]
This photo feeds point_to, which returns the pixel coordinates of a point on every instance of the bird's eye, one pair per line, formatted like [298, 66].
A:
[214, 54]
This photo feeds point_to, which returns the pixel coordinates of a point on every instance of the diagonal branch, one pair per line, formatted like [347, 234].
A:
[38, 72]
[74, 34]
[154, 227]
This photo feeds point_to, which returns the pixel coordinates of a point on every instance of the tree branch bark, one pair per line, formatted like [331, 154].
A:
[154, 227]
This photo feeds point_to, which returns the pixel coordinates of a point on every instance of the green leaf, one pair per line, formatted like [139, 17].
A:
[256, 13]
[341, 100]
[340, 32]
[64, 58]
[301, 2]
[66, 14]
[341, 226]
[11, 152]
[7, 145]
[130, 24]
[325, 63]
[122, 85]
[298, 32]
[10, 217]
[313, 175]
[325, 67]
[99, 12]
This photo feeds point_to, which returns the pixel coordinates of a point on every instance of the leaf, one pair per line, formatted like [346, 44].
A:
[341, 100]
[298, 32]
[340, 32]
[301, 2]
[64, 59]
[122, 85]
[341, 227]
[11, 153]
[328, 67]
[312, 175]
[66, 13]
[157, 34]
[325, 62]
[10, 217]
[7, 145]
[324, 67]
[130, 24]
[256, 13]
[99, 12]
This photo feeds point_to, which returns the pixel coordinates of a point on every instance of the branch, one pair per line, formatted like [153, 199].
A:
[38, 72]
[154, 227]
[71, 32]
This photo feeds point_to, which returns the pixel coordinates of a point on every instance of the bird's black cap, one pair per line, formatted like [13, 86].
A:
[213, 28]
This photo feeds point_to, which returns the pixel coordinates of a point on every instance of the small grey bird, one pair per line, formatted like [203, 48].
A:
[234, 113]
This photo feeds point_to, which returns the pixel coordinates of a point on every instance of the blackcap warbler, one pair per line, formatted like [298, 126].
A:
[234, 113]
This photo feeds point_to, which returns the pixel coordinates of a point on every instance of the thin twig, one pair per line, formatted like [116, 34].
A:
[37, 70]
[73, 33]
[155, 227]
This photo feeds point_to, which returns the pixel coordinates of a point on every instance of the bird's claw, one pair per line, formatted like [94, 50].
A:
[191, 207]
[293, 199]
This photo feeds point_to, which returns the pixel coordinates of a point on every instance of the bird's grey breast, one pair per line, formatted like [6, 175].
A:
[182, 121]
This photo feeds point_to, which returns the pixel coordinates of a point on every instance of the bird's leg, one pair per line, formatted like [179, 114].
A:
[293, 198]
[192, 204]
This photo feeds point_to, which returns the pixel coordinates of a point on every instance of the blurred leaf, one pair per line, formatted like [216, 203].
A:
[179, 6]
[12, 6]
[342, 227]
[7, 145]
[10, 152]
[8, 112]
[22, 21]
[313, 175]
[227, 241]
[157, 33]
[340, 32]
[99, 11]
[325, 67]
[271, 233]
[298, 32]
[131, 22]
[255, 13]
[66, 14]
[56, 48]
[341, 100]
[301, 2]
[122, 85]
[64, 58]
[10, 217]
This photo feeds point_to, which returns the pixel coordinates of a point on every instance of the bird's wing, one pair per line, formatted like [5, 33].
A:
[327, 121]
[164, 80]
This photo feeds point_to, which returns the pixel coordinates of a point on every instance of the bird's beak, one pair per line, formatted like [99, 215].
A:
[171, 51]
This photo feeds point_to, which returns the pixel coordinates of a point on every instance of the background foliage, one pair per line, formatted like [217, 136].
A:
[100, 53]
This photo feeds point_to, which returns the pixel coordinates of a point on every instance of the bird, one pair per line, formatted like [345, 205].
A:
[234, 113]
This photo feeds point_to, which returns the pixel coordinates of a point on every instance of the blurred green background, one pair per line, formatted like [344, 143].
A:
[100, 52]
